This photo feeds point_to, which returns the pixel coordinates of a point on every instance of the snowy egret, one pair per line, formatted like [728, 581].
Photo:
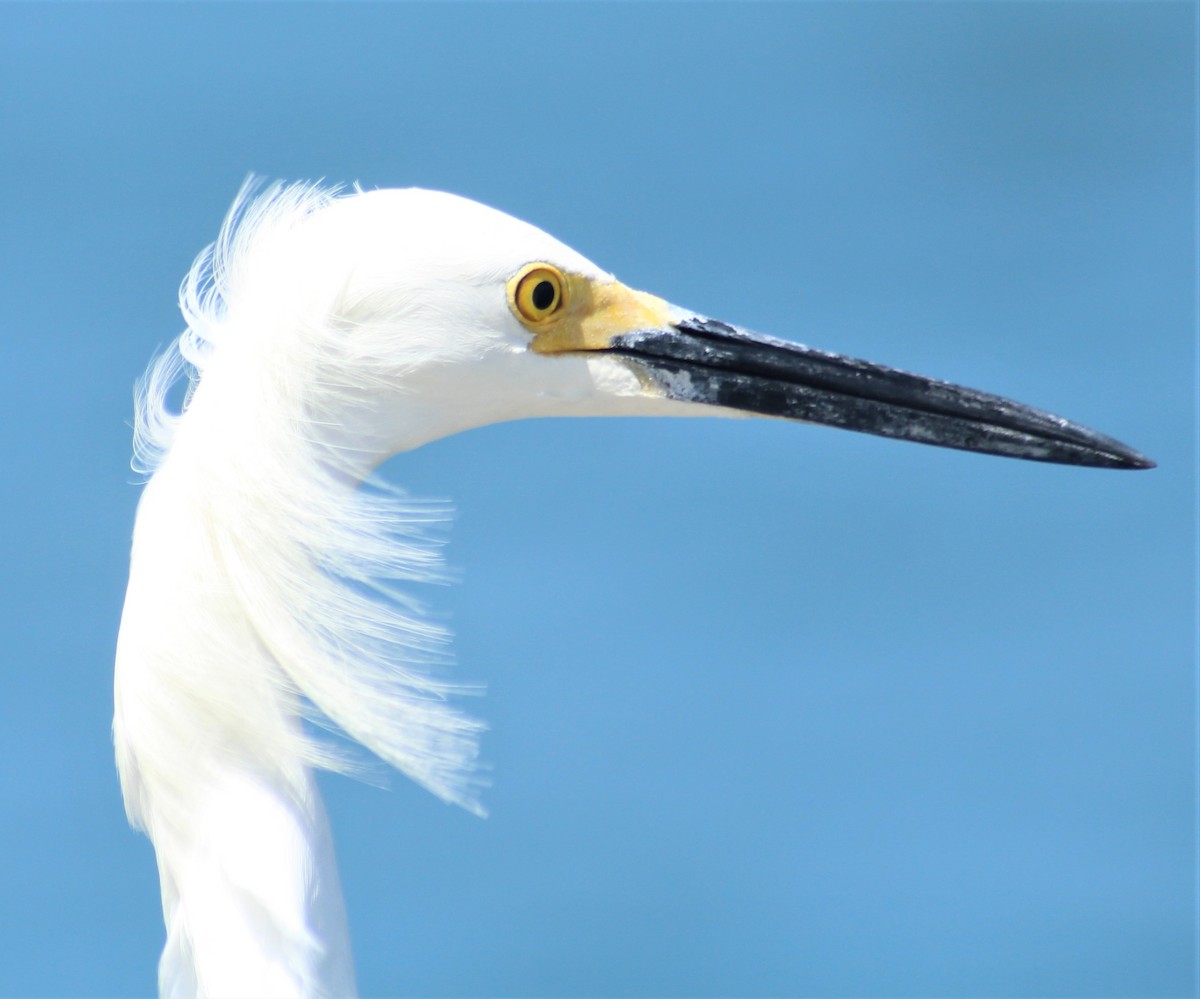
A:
[324, 334]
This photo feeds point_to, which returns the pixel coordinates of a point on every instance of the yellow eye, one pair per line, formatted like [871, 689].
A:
[538, 293]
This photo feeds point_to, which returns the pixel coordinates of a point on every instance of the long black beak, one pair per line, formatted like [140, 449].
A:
[702, 360]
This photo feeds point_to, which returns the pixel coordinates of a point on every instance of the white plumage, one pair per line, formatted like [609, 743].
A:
[325, 333]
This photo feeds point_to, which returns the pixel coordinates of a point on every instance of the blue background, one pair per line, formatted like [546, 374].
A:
[774, 709]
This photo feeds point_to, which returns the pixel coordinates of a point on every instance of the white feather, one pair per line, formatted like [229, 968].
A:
[262, 581]
[271, 573]
[324, 334]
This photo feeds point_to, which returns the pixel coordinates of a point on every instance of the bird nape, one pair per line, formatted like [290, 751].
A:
[326, 332]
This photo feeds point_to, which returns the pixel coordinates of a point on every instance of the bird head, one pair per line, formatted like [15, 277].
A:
[408, 315]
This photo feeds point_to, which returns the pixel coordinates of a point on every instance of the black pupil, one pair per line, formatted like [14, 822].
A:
[543, 295]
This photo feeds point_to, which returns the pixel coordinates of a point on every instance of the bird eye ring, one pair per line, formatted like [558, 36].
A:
[538, 293]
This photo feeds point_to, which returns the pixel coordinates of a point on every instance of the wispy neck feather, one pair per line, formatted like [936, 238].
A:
[264, 592]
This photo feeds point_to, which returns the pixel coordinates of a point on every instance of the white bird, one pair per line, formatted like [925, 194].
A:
[325, 333]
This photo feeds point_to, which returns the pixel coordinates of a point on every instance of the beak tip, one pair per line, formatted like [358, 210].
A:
[1122, 456]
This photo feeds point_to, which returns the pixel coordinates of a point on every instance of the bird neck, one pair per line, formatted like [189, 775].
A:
[262, 590]
[212, 754]
[252, 900]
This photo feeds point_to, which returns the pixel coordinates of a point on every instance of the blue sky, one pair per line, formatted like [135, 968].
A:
[774, 709]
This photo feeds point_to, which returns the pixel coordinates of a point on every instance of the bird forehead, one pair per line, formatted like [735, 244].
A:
[415, 246]
[458, 238]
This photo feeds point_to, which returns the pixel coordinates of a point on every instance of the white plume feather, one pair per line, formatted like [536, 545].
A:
[309, 560]
[271, 572]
